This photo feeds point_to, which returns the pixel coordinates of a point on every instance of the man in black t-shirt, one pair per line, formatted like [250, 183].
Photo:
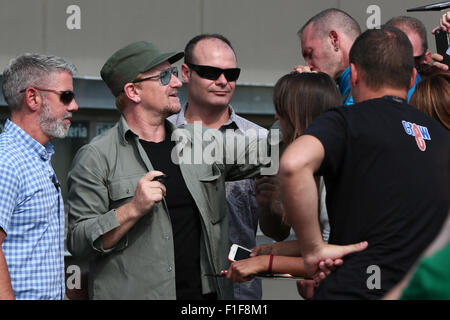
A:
[386, 169]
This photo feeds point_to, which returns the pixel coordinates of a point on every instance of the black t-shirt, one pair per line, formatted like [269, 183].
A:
[381, 187]
[185, 219]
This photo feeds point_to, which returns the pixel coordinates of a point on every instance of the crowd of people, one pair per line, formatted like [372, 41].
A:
[363, 176]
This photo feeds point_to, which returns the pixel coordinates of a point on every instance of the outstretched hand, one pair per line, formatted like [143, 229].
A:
[321, 263]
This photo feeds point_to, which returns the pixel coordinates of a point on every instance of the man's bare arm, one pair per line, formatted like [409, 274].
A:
[299, 191]
[300, 200]
[6, 292]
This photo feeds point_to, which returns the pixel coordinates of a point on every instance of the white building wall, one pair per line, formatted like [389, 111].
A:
[263, 32]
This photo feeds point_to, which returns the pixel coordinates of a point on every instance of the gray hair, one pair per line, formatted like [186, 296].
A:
[30, 70]
[330, 19]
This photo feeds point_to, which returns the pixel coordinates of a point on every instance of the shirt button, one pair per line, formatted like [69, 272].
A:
[166, 237]
[169, 269]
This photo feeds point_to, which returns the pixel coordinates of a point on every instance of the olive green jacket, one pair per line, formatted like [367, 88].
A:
[104, 176]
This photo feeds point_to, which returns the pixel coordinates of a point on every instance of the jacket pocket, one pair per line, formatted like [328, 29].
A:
[121, 189]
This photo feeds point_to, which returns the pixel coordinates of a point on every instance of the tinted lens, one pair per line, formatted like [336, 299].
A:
[213, 73]
[67, 97]
[210, 73]
[166, 75]
[232, 74]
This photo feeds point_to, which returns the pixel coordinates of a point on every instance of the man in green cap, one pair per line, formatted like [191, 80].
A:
[148, 236]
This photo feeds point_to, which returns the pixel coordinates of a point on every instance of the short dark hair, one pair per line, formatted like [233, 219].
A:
[333, 18]
[385, 58]
[189, 49]
[413, 24]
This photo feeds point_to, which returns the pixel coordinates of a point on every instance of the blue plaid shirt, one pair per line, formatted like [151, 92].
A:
[31, 215]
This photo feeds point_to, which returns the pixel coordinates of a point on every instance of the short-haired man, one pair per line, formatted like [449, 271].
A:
[417, 34]
[39, 92]
[210, 72]
[385, 166]
[326, 40]
[146, 236]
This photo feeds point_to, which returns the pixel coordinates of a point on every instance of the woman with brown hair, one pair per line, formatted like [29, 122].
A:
[298, 98]
[301, 97]
[432, 96]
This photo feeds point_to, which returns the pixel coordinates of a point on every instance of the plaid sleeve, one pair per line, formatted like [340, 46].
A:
[9, 192]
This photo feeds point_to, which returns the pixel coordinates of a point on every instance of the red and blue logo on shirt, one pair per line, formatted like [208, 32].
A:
[419, 132]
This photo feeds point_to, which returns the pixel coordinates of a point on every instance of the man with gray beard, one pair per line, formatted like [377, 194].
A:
[39, 92]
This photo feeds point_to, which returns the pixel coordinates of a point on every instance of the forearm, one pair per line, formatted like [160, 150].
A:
[299, 192]
[6, 292]
[127, 218]
[287, 248]
[300, 200]
[242, 269]
[291, 265]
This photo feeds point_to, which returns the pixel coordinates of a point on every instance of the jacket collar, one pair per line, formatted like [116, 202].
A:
[126, 134]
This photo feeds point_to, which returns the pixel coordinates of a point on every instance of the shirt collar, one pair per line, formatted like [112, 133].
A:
[44, 152]
[125, 132]
[234, 122]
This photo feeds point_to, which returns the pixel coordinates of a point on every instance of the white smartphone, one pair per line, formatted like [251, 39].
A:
[238, 252]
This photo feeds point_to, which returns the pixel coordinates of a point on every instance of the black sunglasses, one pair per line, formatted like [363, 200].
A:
[419, 59]
[213, 73]
[65, 97]
[164, 77]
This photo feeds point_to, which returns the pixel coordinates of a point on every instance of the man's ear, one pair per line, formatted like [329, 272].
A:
[185, 72]
[33, 100]
[132, 92]
[428, 58]
[413, 78]
[334, 40]
[354, 75]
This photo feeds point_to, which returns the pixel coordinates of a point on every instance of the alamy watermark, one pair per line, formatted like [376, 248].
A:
[374, 20]
[374, 280]
[73, 279]
[73, 21]
[208, 146]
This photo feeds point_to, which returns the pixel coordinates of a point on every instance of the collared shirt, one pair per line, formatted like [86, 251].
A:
[344, 87]
[241, 201]
[104, 176]
[31, 215]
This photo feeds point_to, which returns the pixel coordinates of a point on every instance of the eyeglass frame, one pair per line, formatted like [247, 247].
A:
[419, 59]
[58, 92]
[171, 70]
[196, 68]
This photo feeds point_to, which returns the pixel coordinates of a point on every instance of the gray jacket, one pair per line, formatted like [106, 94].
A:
[104, 176]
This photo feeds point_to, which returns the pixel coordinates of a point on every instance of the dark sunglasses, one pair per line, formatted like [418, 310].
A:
[65, 97]
[164, 77]
[419, 59]
[213, 73]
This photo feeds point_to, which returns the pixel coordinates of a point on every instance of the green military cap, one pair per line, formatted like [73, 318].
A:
[126, 63]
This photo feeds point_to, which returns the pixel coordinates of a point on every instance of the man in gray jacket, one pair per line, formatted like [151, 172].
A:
[148, 236]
